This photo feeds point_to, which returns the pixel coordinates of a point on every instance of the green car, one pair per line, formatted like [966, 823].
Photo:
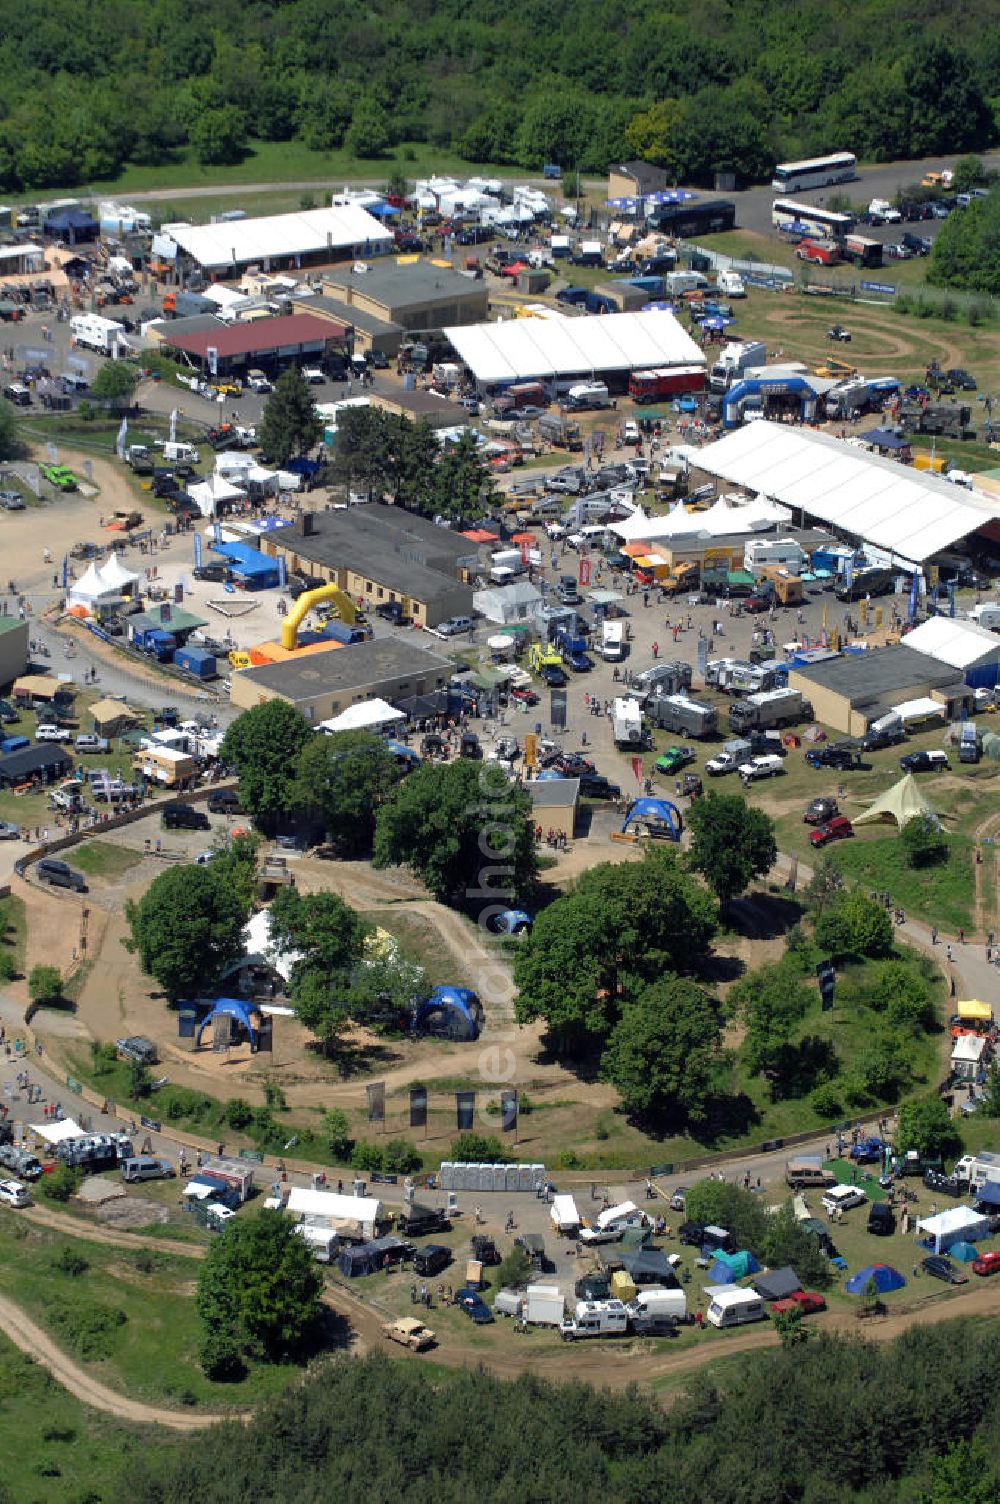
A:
[674, 758]
[59, 476]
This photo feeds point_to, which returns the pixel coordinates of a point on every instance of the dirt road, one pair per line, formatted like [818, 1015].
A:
[30, 1338]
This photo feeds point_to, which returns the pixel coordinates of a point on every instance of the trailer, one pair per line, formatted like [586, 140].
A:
[92, 332]
[564, 1215]
[626, 723]
[544, 1305]
[775, 707]
[665, 382]
[683, 717]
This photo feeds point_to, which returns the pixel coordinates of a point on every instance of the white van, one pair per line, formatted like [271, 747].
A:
[654, 1301]
[735, 1307]
[986, 614]
[613, 641]
[180, 454]
[731, 283]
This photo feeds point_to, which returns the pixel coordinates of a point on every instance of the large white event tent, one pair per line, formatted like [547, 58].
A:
[544, 348]
[719, 521]
[911, 514]
[344, 229]
[92, 588]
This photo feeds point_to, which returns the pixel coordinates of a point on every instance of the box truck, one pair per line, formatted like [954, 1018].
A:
[775, 707]
[613, 641]
[587, 394]
[544, 1305]
[733, 362]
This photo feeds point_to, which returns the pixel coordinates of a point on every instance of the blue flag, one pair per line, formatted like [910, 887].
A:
[914, 595]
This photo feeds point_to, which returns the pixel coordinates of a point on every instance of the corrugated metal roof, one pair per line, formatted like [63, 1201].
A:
[249, 339]
[908, 512]
[237, 242]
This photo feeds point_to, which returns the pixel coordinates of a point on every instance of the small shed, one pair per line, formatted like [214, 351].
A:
[111, 717]
[957, 1224]
[553, 804]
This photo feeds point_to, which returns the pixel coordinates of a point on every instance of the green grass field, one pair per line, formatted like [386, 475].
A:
[102, 859]
[152, 1354]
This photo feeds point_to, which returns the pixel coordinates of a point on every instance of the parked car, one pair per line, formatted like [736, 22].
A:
[392, 611]
[831, 830]
[868, 1151]
[836, 755]
[12, 501]
[13, 1193]
[942, 1268]
[225, 802]
[53, 734]
[553, 676]
[838, 332]
[805, 1302]
[472, 1303]
[819, 811]
[881, 1219]
[674, 758]
[885, 736]
[596, 786]
[945, 1185]
[9, 832]
[523, 695]
[431, 1259]
[768, 766]
[679, 1199]
[213, 573]
[961, 378]
[931, 761]
[454, 625]
[59, 875]
[88, 742]
[987, 1263]
[410, 1332]
[185, 817]
[137, 1047]
[59, 476]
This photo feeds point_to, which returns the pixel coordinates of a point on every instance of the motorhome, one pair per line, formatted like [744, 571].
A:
[613, 641]
[734, 1307]
[626, 723]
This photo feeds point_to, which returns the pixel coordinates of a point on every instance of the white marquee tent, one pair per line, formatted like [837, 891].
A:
[909, 513]
[115, 575]
[92, 587]
[960, 644]
[209, 494]
[530, 349]
[367, 716]
[346, 228]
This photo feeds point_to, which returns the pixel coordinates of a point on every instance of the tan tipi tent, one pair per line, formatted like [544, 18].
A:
[904, 802]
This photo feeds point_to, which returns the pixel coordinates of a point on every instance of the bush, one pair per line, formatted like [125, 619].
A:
[90, 1330]
[400, 1157]
[103, 1057]
[8, 970]
[525, 1106]
[61, 1184]
[45, 984]
[220, 1357]
[68, 1261]
[826, 1101]
[854, 925]
[366, 1156]
[480, 1149]
[924, 843]
[338, 1134]
[238, 1113]
[274, 1097]
[515, 1270]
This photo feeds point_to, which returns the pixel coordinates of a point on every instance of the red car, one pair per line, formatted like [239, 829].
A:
[986, 1263]
[524, 696]
[832, 830]
[806, 1302]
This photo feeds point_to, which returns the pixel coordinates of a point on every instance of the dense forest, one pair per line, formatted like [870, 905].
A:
[916, 1421]
[89, 85]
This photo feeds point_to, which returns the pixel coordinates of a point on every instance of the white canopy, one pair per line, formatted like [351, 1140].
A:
[115, 575]
[722, 518]
[209, 494]
[910, 513]
[58, 1131]
[960, 644]
[959, 1224]
[234, 462]
[332, 1207]
[92, 586]
[523, 349]
[259, 946]
[235, 242]
[678, 523]
[363, 717]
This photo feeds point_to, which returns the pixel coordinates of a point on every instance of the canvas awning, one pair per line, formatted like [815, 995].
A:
[57, 1132]
[367, 715]
[37, 687]
[973, 1011]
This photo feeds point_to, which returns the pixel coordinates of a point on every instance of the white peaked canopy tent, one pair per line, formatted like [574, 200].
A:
[91, 588]
[904, 802]
[208, 495]
[367, 716]
[116, 576]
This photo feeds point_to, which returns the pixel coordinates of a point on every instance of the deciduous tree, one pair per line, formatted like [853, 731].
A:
[186, 929]
[663, 1053]
[925, 1124]
[341, 780]
[732, 842]
[290, 425]
[264, 746]
[259, 1287]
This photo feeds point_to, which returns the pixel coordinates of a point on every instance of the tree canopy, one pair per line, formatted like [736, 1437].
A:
[341, 780]
[462, 827]
[622, 927]
[387, 456]
[115, 382]
[854, 925]
[925, 1124]
[663, 1053]
[732, 842]
[966, 252]
[330, 939]
[264, 745]
[187, 928]
[290, 425]
[258, 1293]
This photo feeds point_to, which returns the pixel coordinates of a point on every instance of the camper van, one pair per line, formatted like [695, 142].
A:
[735, 1307]
[677, 283]
[587, 394]
[784, 551]
[986, 614]
[613, 641]
[655, 1301]
[683, 717]
[180, 454]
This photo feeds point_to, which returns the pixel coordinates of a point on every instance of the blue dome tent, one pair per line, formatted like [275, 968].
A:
[885, 1278]
[450, 1013]
[654, 817]
[245, 1016]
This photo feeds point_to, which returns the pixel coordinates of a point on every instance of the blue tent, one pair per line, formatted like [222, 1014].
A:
[739, 1264]
[963, 1251]
[989, 1194]
[721, 1274]
[237, 1008]
[884, 1276]
[450, 1013]
[382, 211]
[884, 438]
[659, 816]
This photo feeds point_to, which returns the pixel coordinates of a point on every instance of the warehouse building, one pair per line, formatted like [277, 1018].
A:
[232, 348]
[416, 296]
[277, 242]
[849, 692]
[322, 685]
[971, 650]
[13, 649]
[910, 516]
[381, 554]
[368, 334]
[557, 348]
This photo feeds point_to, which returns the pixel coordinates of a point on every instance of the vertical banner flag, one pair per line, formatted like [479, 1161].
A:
[702, 655]
[212, 356]
[376, 1102]
[557, 709]
[584, 571]
[173, 426]
[465, 1110]
[827, 976]
[282, 573]
[508, 1111]
[951, 597]
[914, 595]
[217, 532]
[418, 1107]
[65, 572]
[198, 555]
[120, 441]
[637, 768]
